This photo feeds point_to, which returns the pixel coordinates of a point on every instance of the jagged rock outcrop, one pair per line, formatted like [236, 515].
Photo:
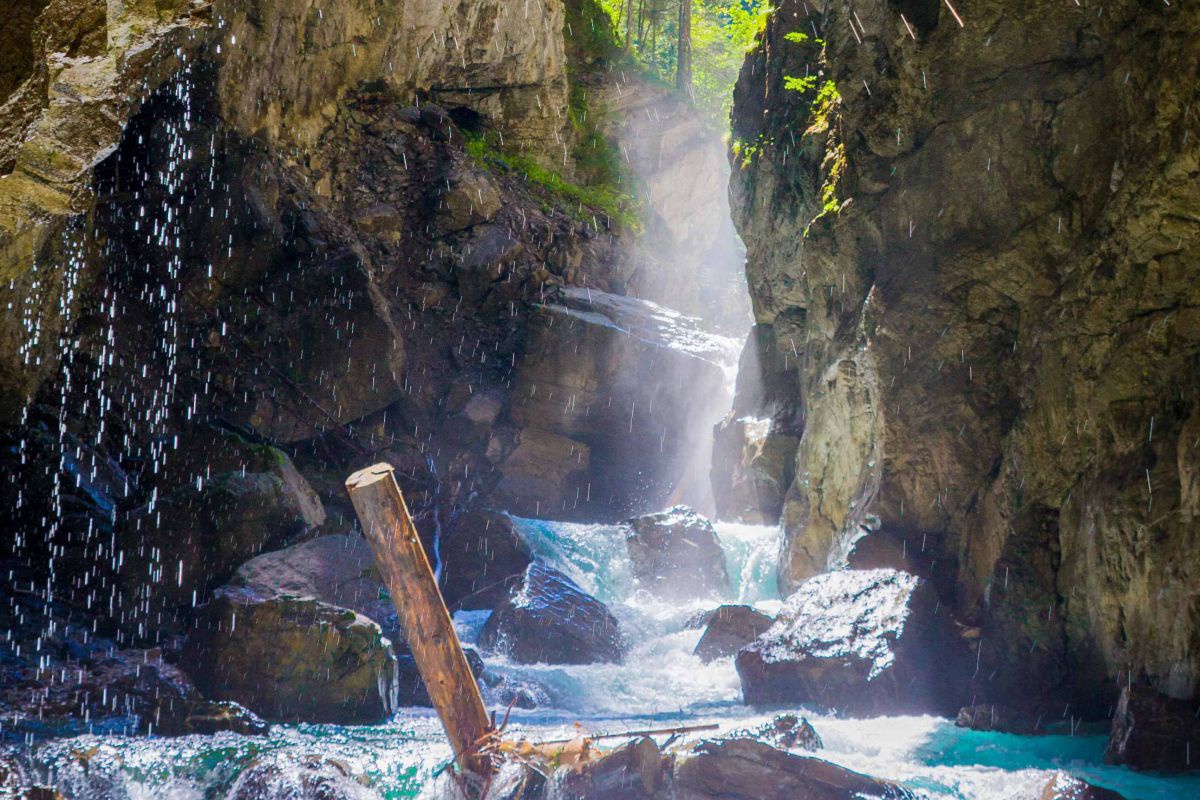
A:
[1152, 731]
[548, 619]
[859, 642]
[676, 554]
[979, 233]
[292, 659]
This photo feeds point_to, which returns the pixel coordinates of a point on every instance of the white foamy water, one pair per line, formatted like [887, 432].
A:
[660, 684]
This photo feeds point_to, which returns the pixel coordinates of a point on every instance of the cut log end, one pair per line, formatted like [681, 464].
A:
[369, 475]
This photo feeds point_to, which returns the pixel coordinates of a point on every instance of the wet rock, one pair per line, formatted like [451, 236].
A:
[993, 717]
[789, 732]
[502, 690]
[17, 782]
[292, 659]
[1151, 731]
[752, 469]
[631, 772]
[743, 769]
[483, 555]
[1066, 787]
[120, 690]
[338, 569]
[548, 619]
[206, 717]
[676, 554]
[313, 778]
[859, 642]
[410, 686]
[730, 629]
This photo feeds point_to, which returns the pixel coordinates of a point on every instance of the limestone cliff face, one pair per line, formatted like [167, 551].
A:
[972, 251]
[286, 65]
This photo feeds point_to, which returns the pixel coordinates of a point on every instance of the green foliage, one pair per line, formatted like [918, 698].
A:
[805, 84]
[599, 197]
[723, 31]
[591, 36]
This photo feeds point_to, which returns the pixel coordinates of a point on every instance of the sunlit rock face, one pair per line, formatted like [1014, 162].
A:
[859, 642]
[983, 250]
[690, 258]
[612, 390]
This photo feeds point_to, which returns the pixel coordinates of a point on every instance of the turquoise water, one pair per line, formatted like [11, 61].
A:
[660, 684]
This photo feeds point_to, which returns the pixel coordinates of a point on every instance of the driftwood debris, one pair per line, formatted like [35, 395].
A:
[426, 623]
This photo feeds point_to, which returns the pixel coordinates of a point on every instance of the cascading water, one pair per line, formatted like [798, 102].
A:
[660, 684]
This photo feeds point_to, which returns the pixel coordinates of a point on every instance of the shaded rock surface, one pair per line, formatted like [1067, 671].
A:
[676, 554]
[1151, 731]
[484, 555]
[981, 243]
[548, 619]
[293, 659]
[992, 717]
[858, 642]
[730, 629]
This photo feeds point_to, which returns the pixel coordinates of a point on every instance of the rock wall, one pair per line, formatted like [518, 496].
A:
[972, 252]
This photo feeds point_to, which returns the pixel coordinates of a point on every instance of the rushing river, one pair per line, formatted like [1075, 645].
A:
[659, 684]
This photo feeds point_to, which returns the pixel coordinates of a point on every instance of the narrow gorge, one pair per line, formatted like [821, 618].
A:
[808, 393]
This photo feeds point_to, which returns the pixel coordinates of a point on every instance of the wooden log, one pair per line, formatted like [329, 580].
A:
[426, 623]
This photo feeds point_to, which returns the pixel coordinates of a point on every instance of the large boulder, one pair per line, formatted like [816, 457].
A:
[676, 554]
[1151, 731]
[730, 629]
[744, 769]
[862, 642]
[292, 659]
[136, 689]
[337, 569]
[482, 556]
[548, 619]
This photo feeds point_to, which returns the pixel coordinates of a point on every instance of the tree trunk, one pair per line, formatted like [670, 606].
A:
[683, 59]
[628, 25]
[404, 569]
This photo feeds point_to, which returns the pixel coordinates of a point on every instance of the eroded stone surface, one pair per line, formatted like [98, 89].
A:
[979, 239]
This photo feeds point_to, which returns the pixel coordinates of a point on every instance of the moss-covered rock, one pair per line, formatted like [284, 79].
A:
[293, 659]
